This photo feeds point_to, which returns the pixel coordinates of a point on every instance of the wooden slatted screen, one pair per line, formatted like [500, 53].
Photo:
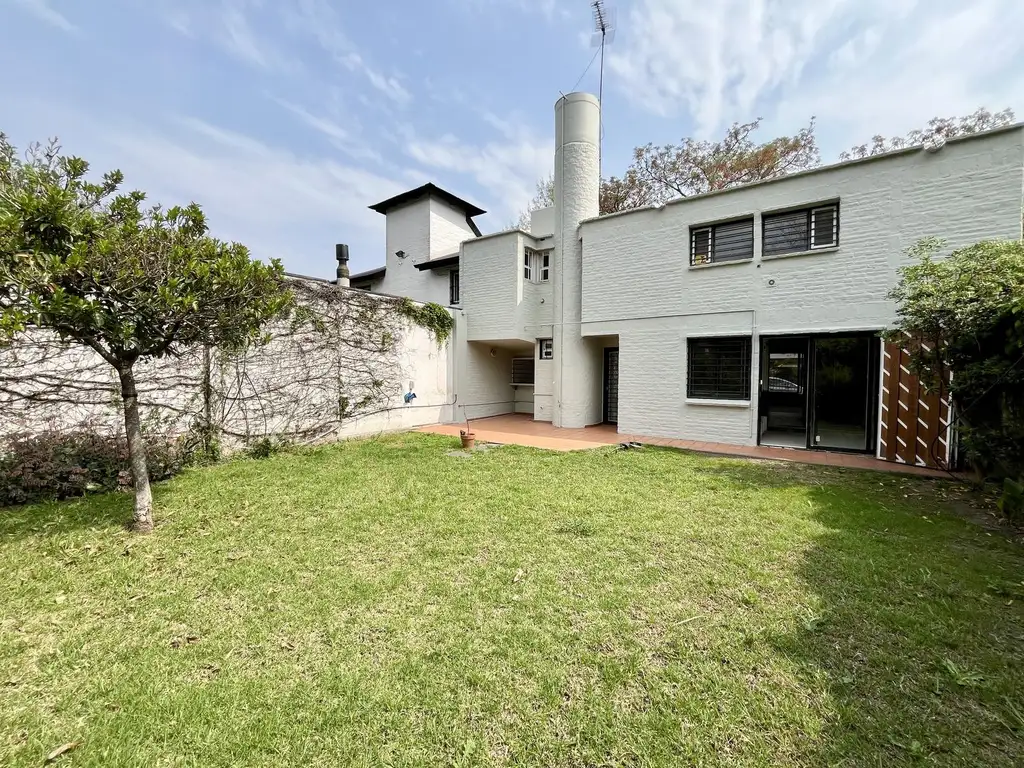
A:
[914, 423]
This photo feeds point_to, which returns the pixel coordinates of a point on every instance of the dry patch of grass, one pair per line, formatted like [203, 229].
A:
[381, 603]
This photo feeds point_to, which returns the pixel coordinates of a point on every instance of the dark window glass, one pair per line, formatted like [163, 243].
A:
[803, 230]
[733, 241]
[453, 287]
[522, 370]
[718, 369]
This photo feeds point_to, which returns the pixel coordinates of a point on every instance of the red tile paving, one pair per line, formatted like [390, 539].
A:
[521, 429]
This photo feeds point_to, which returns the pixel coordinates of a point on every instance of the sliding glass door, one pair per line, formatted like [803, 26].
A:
[843, 392]
[819, 392]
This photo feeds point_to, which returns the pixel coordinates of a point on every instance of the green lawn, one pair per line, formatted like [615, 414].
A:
[382, 603]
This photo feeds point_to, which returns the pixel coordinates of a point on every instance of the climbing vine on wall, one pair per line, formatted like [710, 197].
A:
[337, 358]
[430, 316]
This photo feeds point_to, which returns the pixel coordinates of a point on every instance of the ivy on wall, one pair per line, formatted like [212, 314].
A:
[437, 320]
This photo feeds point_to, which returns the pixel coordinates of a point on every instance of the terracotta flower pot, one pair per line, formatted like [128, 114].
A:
[468, 439]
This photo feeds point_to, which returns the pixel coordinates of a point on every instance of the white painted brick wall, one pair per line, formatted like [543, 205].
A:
[637, 282]
[448, 228]
[499, 303]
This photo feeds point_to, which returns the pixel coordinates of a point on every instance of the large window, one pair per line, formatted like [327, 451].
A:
[803, 230]
[453, 287]
[522, 370]
[733, 241]
[718, 368]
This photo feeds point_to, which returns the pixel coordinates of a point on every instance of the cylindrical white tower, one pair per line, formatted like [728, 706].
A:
[577, 385]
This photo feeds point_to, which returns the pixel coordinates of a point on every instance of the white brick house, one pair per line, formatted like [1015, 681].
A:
[746, 316]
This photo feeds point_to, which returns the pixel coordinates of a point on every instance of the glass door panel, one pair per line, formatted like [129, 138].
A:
[842, 389]
[783, 392]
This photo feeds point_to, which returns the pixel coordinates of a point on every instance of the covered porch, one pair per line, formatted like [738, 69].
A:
[521, 429]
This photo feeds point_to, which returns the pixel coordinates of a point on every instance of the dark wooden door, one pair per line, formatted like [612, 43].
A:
[611, 385]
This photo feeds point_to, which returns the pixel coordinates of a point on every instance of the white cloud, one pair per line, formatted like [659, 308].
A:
[44, 11]
[389, 86]
[277, 202]
[508, 166]
[339, 137]
[864, 65]
[233, 26]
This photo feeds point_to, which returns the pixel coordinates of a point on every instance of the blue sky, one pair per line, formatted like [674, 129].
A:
[285, 119]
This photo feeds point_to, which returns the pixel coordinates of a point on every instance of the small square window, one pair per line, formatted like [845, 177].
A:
[546, 348]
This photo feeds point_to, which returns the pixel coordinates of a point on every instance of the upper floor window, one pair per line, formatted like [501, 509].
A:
[731, 241]
[453, 287]
[803, 230]
[718, 368]
[546, 349]
[536, 265]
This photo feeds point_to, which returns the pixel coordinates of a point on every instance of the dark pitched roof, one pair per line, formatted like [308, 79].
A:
[428, 189]
[371, 274]
[443, 263]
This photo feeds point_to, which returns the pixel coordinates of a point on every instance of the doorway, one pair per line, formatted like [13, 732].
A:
[611, 385]
[783, 392]
[817, 392]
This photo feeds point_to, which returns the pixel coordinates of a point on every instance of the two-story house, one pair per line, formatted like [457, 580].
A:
[746, 316]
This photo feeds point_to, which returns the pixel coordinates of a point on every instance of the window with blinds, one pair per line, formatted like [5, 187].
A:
[718, 368]
[803, 230]
[522, 370]
[732, 241]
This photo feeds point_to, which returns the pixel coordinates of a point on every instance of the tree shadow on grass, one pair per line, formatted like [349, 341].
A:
[914, 630]
[101, 511]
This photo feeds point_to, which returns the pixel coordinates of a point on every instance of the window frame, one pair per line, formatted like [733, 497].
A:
[533, 371]
[711, 231]
[545, 266]
[834, 243]
[454, 288]
[528, 264]
[746, 362]
[810, 224]
[545, 349]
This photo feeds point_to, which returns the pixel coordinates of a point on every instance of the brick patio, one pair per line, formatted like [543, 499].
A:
[521, 429]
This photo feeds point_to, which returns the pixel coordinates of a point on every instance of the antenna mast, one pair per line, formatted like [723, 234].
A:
[604, 32]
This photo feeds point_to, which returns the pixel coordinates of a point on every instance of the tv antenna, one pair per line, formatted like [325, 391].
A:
[604, 34]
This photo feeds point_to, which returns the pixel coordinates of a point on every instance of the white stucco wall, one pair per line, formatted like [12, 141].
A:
[448, 228]
[543, 390]
[253, 395]
[499, 303]
[577, 186]
[637, 281]
[423, 229]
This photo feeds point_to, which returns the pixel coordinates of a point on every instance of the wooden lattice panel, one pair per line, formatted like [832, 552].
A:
[914, 422]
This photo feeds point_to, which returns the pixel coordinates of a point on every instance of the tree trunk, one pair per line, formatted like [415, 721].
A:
[142, 520]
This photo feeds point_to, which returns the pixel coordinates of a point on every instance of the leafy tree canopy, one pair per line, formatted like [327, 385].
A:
[965, 313]
[98, 269]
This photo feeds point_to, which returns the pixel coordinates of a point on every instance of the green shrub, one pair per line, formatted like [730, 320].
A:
[265, 447]
[59, 465]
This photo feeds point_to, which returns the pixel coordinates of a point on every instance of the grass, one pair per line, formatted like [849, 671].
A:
[382, 603]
